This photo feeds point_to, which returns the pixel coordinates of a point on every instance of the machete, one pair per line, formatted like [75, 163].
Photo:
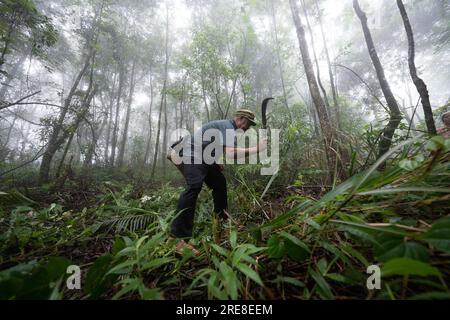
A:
[264, 112]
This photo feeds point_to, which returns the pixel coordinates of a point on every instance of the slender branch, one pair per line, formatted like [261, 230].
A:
[365, 83]
[18, 101]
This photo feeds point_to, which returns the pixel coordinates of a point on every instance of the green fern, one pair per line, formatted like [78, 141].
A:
[130, 223]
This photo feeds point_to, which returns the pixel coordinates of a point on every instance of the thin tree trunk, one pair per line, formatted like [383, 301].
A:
[204, 98]
[110, 116]
[280, 65]
[418, 82]
[316, 61]
[116, 120]
[217, 96]
[327, 131]
[395, 115]
[164, 144]
[163, 94]
[127, 117]
[93, 145]
[330, 71]
[63, 158]
[158, 131]
[149, 138]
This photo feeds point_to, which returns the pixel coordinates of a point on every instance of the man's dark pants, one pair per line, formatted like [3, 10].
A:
[195, 175]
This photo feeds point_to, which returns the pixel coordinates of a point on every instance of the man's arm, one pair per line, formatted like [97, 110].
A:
[237, 153]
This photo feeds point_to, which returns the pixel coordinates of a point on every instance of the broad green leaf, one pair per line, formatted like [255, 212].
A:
[156, 263]
[354, 253]
[358, 233]
[140, 241]
[295, 252]
[313, 223]
[230, 280]
[439, 235]
[118, 245]
[252, 249]
[219, 249]
[130, 285]
[322, 265]
[233, 239]
[295, 249]
[122, 268]
[237, 255]
[57, 266]
[289, 280]
[249, 272]
[338, 277]
[393, 246]
[411, 164]
[435, 143]
[276, 247]
[295, 240]
[96, 280]
[128, 251]
[406, 266]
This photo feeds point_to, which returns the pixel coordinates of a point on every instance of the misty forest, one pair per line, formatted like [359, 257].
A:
[93, 91]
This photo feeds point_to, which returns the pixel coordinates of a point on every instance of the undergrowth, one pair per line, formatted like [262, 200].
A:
[289, 244]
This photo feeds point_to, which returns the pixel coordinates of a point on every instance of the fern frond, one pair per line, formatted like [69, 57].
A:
[130, 223]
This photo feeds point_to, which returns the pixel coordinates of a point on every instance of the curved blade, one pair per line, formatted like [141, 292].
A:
[264, 112]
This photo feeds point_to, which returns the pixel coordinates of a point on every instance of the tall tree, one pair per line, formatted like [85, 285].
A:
[163, 93]
[280, 65]
[418, 82]
[110, 117]
[316, 61]
[115, 132]
[150, 122]
[324, 121]
[394, 111]
[123, 142]
[330, 71]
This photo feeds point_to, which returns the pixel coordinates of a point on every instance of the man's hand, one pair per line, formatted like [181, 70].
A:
[243, 152]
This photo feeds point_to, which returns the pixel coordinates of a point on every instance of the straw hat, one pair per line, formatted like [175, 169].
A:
[248, 114]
